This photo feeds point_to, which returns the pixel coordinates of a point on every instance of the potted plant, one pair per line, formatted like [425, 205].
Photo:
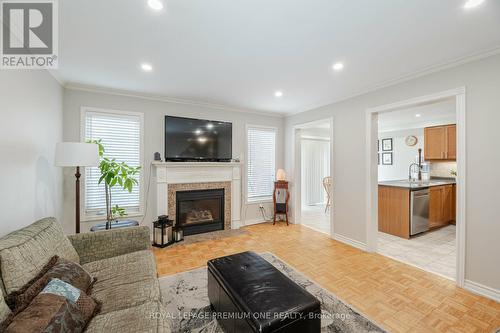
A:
[113, 174]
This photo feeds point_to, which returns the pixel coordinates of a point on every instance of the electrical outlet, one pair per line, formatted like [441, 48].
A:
[261, 206]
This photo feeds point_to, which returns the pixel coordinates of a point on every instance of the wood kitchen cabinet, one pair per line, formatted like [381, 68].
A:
[453, 205]
[394, 211]
[440, 143]
[441, 205]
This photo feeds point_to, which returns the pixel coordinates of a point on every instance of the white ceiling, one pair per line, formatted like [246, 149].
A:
[238, 53]
[433, 114]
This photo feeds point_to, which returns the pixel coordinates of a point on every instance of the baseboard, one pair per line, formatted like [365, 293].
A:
[482, 290]
[254, 221]
[350, 241]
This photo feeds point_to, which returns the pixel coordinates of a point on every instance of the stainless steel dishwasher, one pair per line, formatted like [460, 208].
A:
[419, 207]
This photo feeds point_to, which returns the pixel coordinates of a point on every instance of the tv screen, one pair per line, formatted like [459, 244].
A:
[197, 139]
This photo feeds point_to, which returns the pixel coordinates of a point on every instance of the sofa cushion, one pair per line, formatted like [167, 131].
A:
[4, 309]
[23, 253]
[147, 317]
[124, 281]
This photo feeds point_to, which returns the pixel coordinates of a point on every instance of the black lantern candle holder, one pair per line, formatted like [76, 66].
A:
[163, 232]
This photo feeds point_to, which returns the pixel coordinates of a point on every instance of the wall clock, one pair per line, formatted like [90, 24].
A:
[411, 140]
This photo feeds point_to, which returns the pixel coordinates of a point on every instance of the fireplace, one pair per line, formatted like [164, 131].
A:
[200, 211]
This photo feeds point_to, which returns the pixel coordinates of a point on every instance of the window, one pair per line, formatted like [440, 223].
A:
[261, 163]
[120, 133]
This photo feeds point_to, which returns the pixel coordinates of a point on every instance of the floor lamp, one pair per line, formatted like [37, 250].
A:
[76, 154]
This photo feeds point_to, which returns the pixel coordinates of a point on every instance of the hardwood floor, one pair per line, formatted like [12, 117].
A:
[398, 297]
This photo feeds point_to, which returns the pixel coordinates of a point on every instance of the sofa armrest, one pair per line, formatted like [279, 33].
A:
[99, 245]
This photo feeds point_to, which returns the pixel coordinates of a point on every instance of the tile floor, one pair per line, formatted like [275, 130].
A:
[314, 217]
[433, 251]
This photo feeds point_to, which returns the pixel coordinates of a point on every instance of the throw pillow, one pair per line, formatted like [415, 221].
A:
[47, 313]
[86, 304]
[59, 307]
[59, 268]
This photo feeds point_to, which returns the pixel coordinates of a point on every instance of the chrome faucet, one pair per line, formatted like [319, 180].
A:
[419, 166]
[410, 169]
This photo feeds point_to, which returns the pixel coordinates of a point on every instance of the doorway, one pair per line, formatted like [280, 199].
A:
[313, 161]
[412, 164]
[376, 220]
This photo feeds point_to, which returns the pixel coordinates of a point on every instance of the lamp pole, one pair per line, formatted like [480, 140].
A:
[77, 205]
[77, 154]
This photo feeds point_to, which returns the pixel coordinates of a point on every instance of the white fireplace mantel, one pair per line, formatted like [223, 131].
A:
[199, 172]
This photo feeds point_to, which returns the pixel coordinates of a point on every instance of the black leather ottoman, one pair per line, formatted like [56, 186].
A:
[248, 294]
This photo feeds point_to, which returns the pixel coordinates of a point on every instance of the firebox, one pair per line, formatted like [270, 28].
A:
[200, 211]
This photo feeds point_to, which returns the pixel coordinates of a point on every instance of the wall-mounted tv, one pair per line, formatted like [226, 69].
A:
[188, 139]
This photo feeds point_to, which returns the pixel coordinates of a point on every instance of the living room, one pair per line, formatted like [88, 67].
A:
[198, 97]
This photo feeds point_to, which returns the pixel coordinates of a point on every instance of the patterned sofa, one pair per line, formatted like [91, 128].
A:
[121, 260]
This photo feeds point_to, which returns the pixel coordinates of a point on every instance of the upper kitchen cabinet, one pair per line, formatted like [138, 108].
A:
[451, 142]
[440, 143]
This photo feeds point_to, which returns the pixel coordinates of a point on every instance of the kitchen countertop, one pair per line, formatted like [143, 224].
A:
[418, 185]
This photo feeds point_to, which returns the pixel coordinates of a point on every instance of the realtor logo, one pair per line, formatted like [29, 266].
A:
[29, 34]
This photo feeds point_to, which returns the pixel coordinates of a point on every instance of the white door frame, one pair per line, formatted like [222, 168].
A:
[297, 171]
[372, 169]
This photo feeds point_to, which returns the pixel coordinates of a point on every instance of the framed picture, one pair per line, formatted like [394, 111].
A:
[387, 144]
[378, 145]
[386, 158]
[378, 155]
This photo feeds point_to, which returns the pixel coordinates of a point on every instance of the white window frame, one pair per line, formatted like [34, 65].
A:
[83, 111]
[250, 201]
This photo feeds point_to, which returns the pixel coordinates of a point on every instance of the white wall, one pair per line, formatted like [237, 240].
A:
[154, 113]
[402, 155]
[31, 113]
[482, 81]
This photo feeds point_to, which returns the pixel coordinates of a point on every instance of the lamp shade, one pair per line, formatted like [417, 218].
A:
[280, 174]
[73, 154]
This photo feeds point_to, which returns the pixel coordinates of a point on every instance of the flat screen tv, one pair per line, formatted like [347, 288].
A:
[189, 139]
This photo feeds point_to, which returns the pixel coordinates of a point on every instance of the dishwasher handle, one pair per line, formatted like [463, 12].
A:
[420, 193]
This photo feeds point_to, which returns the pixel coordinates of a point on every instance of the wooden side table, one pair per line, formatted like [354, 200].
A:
[281, 196]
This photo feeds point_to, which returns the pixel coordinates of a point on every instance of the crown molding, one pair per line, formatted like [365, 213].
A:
[56, 77]
[408, 77]
[166, 99]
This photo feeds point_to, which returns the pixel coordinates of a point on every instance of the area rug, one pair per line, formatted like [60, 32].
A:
[187, 307]
[214, 235]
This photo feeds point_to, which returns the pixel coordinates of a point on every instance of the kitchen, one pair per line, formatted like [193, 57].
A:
[417, 187]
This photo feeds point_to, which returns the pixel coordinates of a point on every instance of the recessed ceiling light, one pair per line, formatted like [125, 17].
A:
[146, 67]
[418, 115]
[155, 4]
[472, 3]
[198, 131]
[278, 93]
[202, 139]
[210, 125]
[338, 66]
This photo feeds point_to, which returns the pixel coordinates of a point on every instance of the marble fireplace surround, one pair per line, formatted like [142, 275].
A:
[180, 176]
[173, 188]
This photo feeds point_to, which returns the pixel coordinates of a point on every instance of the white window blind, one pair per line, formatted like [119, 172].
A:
[261, 164]
[120, 135]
